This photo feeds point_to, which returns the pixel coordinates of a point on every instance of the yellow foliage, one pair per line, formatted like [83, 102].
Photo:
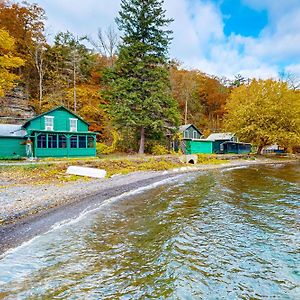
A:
[159, 150]
[105, 149]
[264, 112]
[7, 62]
[210, 159]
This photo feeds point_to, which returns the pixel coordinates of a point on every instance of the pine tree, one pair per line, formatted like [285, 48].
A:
[139, 84]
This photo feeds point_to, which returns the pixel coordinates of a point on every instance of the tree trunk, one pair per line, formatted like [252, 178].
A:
[142, 141]
[40, 91]
[259, 149]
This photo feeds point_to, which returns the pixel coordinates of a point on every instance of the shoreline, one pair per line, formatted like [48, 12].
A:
[74, 198]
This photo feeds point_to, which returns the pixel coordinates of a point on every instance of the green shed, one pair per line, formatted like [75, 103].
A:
[198, 146]
[56, 133]
[12, 141]
[217, 143]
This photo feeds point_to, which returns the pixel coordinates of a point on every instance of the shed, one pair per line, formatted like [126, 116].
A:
[12, 141]
[198, 146]
[220, 138]
[235, 147]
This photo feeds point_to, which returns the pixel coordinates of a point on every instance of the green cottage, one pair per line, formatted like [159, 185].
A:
[56, 133]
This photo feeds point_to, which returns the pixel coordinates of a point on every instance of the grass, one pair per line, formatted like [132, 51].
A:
[54, 170]
[56, 173]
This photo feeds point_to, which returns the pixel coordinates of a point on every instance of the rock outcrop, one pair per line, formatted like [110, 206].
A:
[15, 107]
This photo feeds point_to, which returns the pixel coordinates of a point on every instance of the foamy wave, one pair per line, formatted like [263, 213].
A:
[88, 211]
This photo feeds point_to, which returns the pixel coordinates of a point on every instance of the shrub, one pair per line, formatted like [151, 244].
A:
[159, 150]
[102, 148]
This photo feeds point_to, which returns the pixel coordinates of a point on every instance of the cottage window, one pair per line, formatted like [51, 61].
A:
[186, 134]
[73, 141]
[194, 134]
[62, 141]
[73, 124]
[90, 142]
[52, 141]
[49, 120]
[42, 141]
[82, 141]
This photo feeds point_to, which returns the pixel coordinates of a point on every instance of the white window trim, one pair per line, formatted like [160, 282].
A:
[73, 129]
[194, 134]
[186, 135]
[47, 127]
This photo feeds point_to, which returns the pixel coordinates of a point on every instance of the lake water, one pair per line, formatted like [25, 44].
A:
[231, 234]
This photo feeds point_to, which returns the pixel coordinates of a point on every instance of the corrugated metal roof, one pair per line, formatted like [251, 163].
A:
[12, 130]
[220, 136]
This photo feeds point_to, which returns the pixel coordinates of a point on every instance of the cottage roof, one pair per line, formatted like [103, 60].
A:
[220, 136]
[49, 111]
[12, 130]
[182, 128]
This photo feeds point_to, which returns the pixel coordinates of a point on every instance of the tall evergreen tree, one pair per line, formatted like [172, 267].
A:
[139, 84]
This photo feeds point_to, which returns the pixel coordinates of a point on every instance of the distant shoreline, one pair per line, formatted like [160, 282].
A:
[68, 201]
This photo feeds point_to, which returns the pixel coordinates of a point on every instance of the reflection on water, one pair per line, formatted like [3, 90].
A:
[219, 235]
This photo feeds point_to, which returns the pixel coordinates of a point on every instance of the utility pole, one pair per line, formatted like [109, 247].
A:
[74, 82]
[186, 111]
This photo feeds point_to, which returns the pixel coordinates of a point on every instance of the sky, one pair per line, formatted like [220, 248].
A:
[254, 38]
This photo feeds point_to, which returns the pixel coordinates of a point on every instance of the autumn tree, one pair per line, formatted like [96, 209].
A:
[265, 112]
[8, 62]
[107, 44]
[71, 63]
[139, 86]
[213, 96]
[185, 86]
[25, 23]
[201, 97]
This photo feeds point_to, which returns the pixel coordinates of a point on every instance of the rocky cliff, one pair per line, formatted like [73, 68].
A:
[15, 107]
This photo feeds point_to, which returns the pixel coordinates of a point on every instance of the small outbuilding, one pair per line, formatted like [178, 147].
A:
[235, 148]
[12, 141]
[216, 143]
[219, 138]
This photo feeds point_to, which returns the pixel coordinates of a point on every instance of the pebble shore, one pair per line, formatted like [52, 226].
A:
[22, 200]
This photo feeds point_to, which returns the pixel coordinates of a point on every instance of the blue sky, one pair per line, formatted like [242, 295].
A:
[255, 38]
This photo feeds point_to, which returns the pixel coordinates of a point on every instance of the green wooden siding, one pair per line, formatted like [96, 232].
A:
[65, 152]
[216, 146]
[199, 147]
[12, 147]
[61, 121]
[56, 150]
[61, 127]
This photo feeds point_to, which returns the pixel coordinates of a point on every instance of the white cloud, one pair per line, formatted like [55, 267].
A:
[293, 68]
[199, 40]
